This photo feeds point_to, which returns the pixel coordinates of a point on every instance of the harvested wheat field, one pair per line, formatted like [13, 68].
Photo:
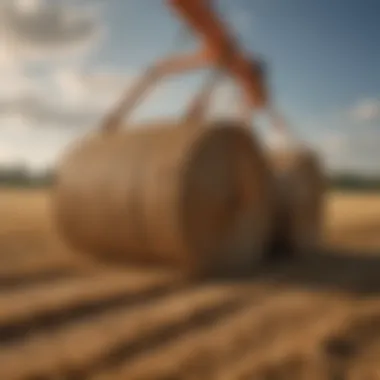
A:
[62, 317]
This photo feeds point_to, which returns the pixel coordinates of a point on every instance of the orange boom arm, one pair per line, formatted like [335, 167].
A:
[248, 73]
[216, 43]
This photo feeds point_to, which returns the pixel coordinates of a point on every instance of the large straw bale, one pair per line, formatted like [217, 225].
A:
[187, 196]
[299, 202]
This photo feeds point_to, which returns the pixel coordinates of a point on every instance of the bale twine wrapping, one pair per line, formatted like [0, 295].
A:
[188, 196]
[299, 202]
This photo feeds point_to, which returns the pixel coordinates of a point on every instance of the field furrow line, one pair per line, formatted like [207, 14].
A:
[200, 353]
[79, 346]
[26, 311]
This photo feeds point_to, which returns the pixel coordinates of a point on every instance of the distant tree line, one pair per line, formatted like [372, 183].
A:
[347, 181]
[21, 176]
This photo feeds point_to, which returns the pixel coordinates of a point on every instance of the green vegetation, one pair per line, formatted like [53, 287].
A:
[354, 182]
[21, 177]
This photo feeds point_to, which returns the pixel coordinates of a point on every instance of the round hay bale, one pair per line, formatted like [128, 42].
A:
[299, 201]
[187, 196]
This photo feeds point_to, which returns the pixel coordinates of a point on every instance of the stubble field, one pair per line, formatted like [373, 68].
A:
[63, 316]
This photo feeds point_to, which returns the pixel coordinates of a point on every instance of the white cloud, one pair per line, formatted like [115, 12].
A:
[352, 151]
[37, 126]
[334, 147]
[225, 101]
[366, 110]
[41, 30]
[41, 110]
[36, 150]
[61, 98]
[15, 122]
[77, 99]
[42, 113]
[14, 82]
[348, 147]
[33, 30]
[97, 88]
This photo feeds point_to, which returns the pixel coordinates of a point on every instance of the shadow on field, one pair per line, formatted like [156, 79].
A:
[47, 276]
[338, 270]
[353, 267]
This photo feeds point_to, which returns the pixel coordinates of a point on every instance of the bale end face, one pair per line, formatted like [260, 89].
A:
[300, 202]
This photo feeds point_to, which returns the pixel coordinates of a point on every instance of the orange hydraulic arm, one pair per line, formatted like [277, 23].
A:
[198, 14]
[218, 48]
[216, 41]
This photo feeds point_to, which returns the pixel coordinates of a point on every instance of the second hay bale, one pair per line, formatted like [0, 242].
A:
[300, 201]
[187, 196]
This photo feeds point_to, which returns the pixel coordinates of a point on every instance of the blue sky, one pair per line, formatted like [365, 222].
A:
[323, 55]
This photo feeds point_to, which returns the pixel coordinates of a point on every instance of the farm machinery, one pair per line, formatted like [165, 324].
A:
[202, 196]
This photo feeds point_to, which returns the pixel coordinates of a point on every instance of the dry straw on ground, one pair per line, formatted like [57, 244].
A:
[314, 318]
